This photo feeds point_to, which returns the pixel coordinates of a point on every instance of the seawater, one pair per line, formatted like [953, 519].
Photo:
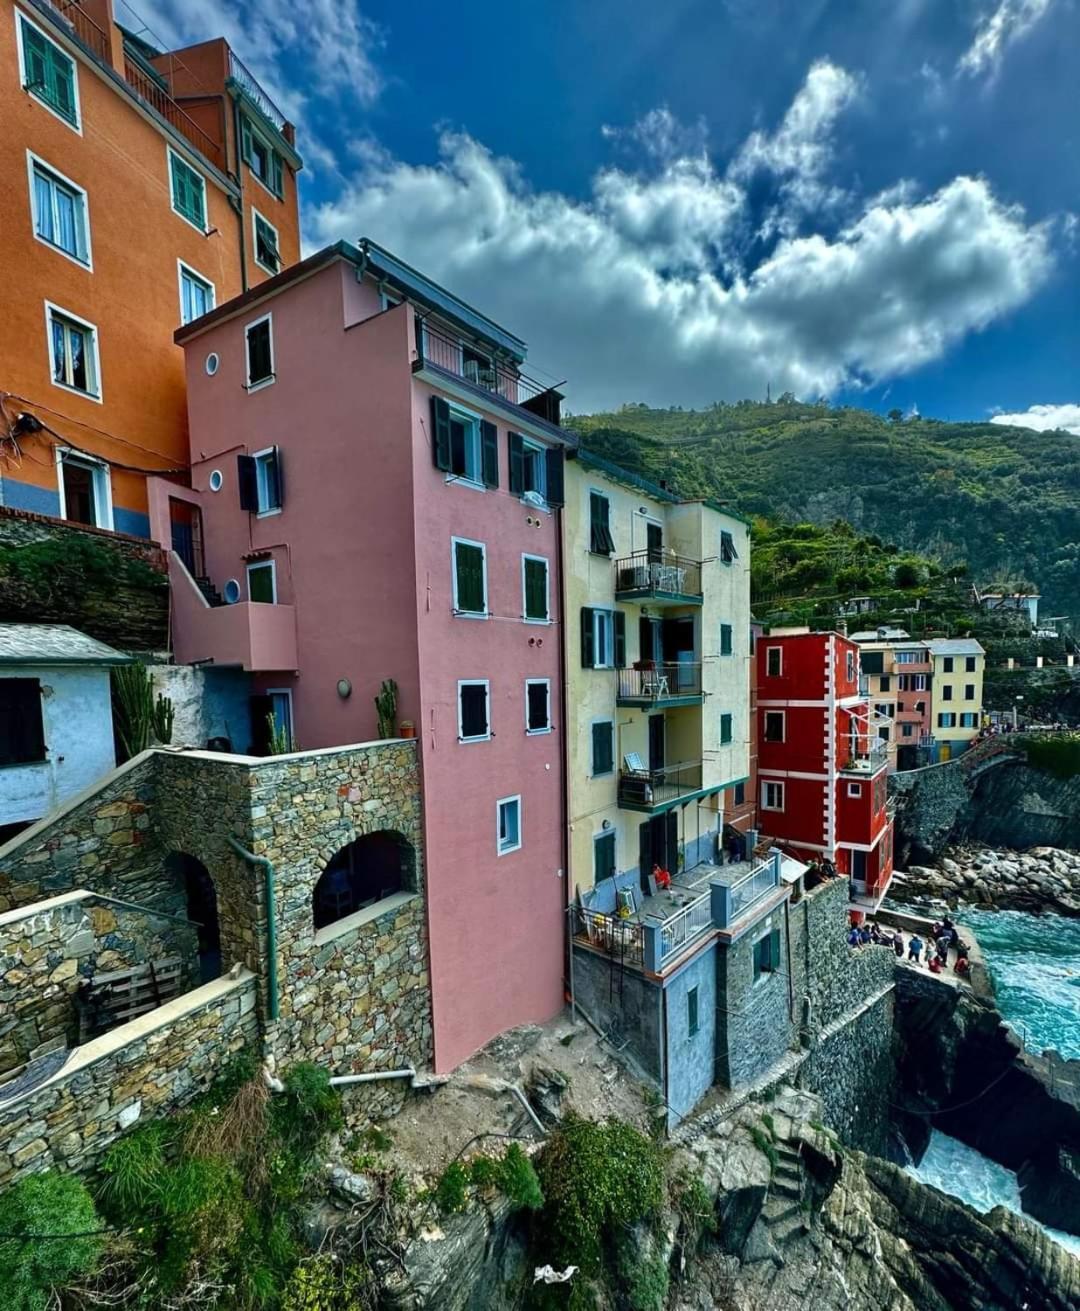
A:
[1034, 962]
[954, 1168]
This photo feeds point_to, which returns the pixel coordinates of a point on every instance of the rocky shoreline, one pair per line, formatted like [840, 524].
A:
[1041, 880]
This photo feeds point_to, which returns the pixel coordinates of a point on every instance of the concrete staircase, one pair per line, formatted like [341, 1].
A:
[209, 591]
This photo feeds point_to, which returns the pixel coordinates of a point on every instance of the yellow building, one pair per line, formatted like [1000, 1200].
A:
[956, 692]
[878, 683]
[657, 608]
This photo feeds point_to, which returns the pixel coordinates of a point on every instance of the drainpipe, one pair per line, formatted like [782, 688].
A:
[240, 182]
[271, 921]
[564, 788]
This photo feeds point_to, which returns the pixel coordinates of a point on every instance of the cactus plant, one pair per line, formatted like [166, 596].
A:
[133, 708]
[164, 715]
[278, 736]
[386, 708]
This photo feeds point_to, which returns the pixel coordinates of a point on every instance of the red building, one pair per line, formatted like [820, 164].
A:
[822, 768]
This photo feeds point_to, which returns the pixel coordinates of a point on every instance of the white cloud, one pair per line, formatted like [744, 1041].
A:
[1043, 418]
[646, 289]
[997, 30]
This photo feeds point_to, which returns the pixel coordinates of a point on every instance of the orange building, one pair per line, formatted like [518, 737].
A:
[141, 188]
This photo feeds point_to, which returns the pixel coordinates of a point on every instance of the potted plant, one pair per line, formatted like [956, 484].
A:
[407, 729]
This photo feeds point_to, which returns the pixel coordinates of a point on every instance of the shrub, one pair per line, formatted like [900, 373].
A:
[309, 1111]
[324, 1283]
[764, 1144]
[451, 1190]
[519, 1181]
[48, 1203]
[696, 1209]
[133, 1170]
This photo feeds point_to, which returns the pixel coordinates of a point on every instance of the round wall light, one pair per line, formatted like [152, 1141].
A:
[216, 480]
[213, 362]
[344, 688]
[231, 591]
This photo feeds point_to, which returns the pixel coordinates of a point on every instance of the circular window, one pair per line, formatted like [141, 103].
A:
[216, 479]
[232, 591]
[212, 363]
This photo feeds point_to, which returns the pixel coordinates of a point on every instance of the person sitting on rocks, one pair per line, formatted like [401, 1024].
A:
[934, 964]
[853, 937]
[864, 936]
[914, 951]
[963, 965]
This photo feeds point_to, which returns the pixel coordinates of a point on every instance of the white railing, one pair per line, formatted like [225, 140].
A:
[685, 925]
[758, 883]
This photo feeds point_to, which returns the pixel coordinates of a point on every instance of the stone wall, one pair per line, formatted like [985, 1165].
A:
[152, 1066]
[208, 702]
[106, 584]
[625, 1005]
[754, 1018]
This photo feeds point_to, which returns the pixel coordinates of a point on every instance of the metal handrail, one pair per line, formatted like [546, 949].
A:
[89, 32]
[755, 884]
[686, 924]
[652, 682]
[483, 370]
[658, 571]
[653, 787]
[624, 938]
[249, 84]
[166, 106]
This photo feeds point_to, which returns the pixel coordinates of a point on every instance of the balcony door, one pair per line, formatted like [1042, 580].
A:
[858, 866]
[654, 542]
[657, 730]
[678, 646]
[185, 523]
[658, 844]
[650, 641]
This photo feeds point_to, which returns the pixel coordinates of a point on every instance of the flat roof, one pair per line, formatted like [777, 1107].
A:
[55, 644]
[630, 479]
[954, 646]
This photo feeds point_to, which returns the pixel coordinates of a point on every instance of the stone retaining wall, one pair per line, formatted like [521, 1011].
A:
[152, 1066]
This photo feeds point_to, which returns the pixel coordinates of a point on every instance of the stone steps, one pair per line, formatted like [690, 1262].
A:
[786, 1187]
[788, 1230]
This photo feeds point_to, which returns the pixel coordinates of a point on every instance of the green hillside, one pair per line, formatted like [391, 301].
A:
[1004, 501]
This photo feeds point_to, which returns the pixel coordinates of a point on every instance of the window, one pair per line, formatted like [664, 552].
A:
[470, 578]
[774, 725]
[262, 582]
[774, 661]
[600, 539]
[85, 489]
[849, 665]
[367, 871]
[772, 796]
[473, 723]
[281, 710]
[725, 730]
[767, 955]
[268, 482]
[534, 468]
[854, 789]
[538, 705]
[725, 639]
[463, 445]
[947, 664]
[259, 339]
[739, 794]
[266, 243]
[969, 664]
[910, 657]
[692, 1011]
[603, 748]
[196, 294]
[946, 692]
[946, 720]
[603, 638]
[262, 159]
[509, 825]
[884, 683]
[912, 683]
[48, 73]
[969, 719]
[969, 691]
[73, 352]
[534, 586]
[22, 729]
[907, 730]
[728, 553]
[188, 190]
[58, 208]
[604, 856]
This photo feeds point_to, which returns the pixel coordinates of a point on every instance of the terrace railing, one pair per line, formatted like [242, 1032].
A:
[160, 100]
[249, 84]
[90, 33]
[651, 682]
[656, 787]
[454, 356]
[650, 573]
[754, 885]
[685, 925]
[622, 938]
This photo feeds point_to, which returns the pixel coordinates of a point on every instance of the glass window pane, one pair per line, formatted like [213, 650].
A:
[59, 350]
[65, 221]
[43, 215]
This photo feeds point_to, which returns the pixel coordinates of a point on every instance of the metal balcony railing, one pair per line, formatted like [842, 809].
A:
[622, 938]
[652, 683]
[865, 759]
[647, 788]
[657, 574]
[685, 925]
[475, 366]
[160, 100]
[758, 883]
[94, 37]
[249, 84]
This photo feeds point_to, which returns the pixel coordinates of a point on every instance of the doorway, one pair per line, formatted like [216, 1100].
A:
[657, 731]
[658, 844]
[185, 524]
[202, 908]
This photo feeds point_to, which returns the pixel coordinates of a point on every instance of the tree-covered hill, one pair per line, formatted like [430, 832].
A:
[1005, 501]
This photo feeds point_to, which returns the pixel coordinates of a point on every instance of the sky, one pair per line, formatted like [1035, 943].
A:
[875, 201]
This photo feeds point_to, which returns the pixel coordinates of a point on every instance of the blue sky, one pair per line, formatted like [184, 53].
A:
[873, 200]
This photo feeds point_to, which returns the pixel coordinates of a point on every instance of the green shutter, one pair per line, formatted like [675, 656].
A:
[48, 73]
[554, 493]
[725, 639]
[603, 748]
[620, 640]
[536, 599]
[469, 562]
[188, 194]
[774, 949]
[516, 451]
[440, 427]
[725, 730]
[588, 647]
[489, 451]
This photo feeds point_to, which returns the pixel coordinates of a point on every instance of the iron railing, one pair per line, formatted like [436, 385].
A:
[655, 787]
[865, 759]
[754, 885]
[685, 925]
[158, 99]
[658, 571]
[622, 938]
[94, 37]
[249, 84]
[654, 683]
[476, 366]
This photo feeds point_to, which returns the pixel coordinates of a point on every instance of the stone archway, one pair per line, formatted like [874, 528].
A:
[363, 872]
[193, 877]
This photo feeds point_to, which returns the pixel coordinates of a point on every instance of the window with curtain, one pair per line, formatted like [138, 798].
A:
[60, 214]
[196, 295]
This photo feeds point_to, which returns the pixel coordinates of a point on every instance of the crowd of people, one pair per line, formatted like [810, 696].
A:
[942, 938]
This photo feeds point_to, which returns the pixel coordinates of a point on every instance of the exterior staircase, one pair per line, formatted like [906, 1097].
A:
[209, 591]
[783, 1213]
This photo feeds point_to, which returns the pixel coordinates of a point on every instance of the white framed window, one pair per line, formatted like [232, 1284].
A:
[466, 451]
[603, 622]
[196, 293]
[774, 661]
[187, 191]
[261, 157]
[474, 720]
[535, 602]
[49, 74]
[262, 582]
[259, 348]
[854, 789]
[265, 247]
[282, 711]
[537, 705]
[468, 563]
[534, 468]
[59, 212]
[850, 665]
[73, 352]
[267, 481]
[508, 825]
[910, 657]
[85, 487]
[775, 726]
[772, 796]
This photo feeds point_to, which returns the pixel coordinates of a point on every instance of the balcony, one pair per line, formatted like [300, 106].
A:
[149, 87]
[864, 758]
[82, 26]
[487, 379]
[911, 667]
[655, 790]
[254, 635]
[248, 85]
[658, 577]
[650, 686]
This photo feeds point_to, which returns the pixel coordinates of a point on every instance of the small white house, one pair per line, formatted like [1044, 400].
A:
[56, 729]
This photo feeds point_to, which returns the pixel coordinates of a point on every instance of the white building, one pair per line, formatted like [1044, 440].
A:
[56, 729]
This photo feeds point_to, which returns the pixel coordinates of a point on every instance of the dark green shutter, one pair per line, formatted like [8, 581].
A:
[36, 56]
[555, 493]
[725, 639]
[725, 730]
[247, 483]
[604, 857]
[440, 427]
[536, 599]
[620, 640]
[489, 448]
[516, 450]
[588, 648]
[774, 949]
[470, 578]
[603, 748]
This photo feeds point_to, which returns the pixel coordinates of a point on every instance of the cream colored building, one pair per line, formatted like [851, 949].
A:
[956, 692]
[877, 682]
[657, 610]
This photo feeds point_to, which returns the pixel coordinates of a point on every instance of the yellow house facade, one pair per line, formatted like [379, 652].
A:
[657, 610]
[956, 692]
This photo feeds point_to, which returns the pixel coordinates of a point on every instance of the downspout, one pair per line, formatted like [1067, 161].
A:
[273, 1008]
[240, 183]
[564, 791]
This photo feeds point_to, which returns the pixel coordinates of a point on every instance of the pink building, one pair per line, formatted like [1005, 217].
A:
[375, 494]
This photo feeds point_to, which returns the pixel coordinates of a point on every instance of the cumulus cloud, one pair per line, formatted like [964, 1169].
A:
[997, 30]
[1044, 418]
[653, 289]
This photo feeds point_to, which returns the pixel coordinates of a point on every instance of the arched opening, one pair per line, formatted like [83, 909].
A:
[202, 907]
[364, 872]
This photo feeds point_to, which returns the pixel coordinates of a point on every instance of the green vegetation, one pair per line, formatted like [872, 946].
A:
[452, 1190]
[1059, 756]
[764, 1143]
[696, 1209]
[1000, 499]
[52, 1204]
[139, 719]
[325, 1283]
[386, 708]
